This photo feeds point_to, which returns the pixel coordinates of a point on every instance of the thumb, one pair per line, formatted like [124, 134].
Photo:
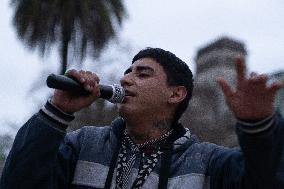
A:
[274, 87]
[227, 91]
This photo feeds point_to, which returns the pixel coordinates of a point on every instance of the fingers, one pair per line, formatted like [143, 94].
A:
[275, 86]
[258, 80]
[240, 69]
[225, 88]
[258, 77]
[89, 80]
[261, 83]
[75, 75]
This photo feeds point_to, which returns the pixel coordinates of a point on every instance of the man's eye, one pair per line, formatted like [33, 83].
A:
[143, 75]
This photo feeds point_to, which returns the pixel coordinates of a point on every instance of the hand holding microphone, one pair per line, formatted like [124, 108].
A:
[79, 89]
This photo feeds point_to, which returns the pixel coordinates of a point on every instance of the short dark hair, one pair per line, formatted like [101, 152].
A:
[177, 72]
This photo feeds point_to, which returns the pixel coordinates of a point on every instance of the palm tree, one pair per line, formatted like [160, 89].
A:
[86, 25]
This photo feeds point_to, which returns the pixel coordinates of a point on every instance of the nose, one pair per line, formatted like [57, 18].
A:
[126, 80]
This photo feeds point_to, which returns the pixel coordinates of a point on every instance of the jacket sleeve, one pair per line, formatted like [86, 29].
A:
[42, 156]
[256, 165]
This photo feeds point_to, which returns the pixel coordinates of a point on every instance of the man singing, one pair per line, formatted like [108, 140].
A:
[146, 146]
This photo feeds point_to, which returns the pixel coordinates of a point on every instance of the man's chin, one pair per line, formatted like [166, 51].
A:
[124, 110]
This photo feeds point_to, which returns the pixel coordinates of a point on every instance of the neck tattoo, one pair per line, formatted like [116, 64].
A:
[162, 126]
[158, 129]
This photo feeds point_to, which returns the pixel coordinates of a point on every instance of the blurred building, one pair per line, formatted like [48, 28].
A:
[279, 101]
[208, 116]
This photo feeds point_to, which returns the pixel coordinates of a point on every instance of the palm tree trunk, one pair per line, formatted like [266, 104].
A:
[64, 52]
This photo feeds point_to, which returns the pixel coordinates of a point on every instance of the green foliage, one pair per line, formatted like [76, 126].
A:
[85, 24]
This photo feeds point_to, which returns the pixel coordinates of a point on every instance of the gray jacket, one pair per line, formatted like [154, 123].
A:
[44, 156]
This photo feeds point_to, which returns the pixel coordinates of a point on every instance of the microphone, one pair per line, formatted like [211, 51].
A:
[112, 93]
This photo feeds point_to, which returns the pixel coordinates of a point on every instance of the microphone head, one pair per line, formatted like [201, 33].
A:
[118, 94]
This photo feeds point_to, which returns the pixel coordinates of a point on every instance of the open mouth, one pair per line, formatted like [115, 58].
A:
[129, 93]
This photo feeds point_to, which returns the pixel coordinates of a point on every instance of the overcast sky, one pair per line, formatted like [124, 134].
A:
[181, 26]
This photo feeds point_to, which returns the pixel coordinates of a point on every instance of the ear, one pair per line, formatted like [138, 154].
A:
[178, 93]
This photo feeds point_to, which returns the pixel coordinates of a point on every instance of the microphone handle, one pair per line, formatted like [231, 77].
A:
[70, 84]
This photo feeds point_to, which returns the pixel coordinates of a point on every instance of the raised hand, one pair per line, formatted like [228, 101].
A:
[69, 102]
[253, 98]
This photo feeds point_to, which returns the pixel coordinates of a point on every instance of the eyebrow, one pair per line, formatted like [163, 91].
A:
[139, 69]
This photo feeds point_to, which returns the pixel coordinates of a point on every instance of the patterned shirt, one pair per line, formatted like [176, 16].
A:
[150, 153]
